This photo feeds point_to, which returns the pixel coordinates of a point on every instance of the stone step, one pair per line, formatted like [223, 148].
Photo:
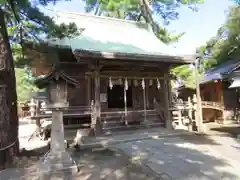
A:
[77, 126]
[108, 130]
[119, 124]
[114, 131]
[108, 124]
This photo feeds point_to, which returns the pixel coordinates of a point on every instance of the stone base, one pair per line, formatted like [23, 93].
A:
[57, 165]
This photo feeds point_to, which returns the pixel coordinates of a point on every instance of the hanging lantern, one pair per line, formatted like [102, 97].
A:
[135, 82]
[150, 82]
[158, 84]
[110, 83]
[126, 84]
[143, 83]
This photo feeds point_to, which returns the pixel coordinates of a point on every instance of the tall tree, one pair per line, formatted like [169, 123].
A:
[8, 99]
[27, 22]
[224, 46]
[144, 10]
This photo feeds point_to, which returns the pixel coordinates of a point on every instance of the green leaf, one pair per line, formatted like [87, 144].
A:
[3, 2]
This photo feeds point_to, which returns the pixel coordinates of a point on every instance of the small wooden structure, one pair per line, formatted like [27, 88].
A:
[184, 92]
[24, 110]
[216, 93]
[122, 69]
[234, 78]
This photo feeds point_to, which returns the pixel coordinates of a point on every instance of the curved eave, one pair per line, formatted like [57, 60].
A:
[151, 57]
[129, 56]
[55, 75]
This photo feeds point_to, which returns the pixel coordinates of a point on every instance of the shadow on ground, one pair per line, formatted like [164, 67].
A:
[230, 130]
[199, 139]
[171, 158]
[180, 158]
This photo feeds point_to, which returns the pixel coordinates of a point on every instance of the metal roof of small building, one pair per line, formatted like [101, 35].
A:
[218, 72]
[111, 35]
[55, 75]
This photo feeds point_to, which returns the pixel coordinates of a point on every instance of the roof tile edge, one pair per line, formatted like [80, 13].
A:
[95, 16]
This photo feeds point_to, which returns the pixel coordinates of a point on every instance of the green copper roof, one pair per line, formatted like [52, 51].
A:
[112, 35]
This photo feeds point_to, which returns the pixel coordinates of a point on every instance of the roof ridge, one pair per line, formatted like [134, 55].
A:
[96, 16]
[223, 64]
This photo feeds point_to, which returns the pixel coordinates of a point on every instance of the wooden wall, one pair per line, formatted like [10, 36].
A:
[82, 95]
[77, 96]
[219, 92]
[212, 91]
[82, 70]
[184, 93]
[230, 97]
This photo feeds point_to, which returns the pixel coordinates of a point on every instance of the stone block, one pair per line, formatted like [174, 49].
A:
[57, 166]
[80, 135]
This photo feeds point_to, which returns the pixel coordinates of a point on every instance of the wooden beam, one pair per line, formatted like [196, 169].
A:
[132, 63]
[136, 57]
[117, 62]
[88, 90]
[131, 75]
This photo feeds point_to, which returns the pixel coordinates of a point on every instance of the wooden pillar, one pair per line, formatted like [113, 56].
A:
[144, 100]
[97, 123]
[190, 113]
[147, 92]
[221, 91]
[125, 100]
[167, 91]
[195, 122]
[88, 91]
[135, 94]
[180, 123]
[32, 110]
[38, 122]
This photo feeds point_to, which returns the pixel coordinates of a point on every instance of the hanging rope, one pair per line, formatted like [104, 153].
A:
[12, 6]
[9, 146]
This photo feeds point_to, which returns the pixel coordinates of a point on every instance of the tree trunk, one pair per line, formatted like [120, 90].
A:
[9, 145]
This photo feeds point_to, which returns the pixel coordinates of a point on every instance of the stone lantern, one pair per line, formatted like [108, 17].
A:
[58, 158]
[32, 109]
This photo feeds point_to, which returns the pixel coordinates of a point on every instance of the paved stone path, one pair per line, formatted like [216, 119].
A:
[225, 146]
[180, 158]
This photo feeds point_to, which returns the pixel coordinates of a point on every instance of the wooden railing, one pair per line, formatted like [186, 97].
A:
[182, 112]
[212, 105]
[89, 110]
[73, 111]
[205, 104]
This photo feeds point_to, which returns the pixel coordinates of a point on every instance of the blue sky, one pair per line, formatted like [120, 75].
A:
[198, 26]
